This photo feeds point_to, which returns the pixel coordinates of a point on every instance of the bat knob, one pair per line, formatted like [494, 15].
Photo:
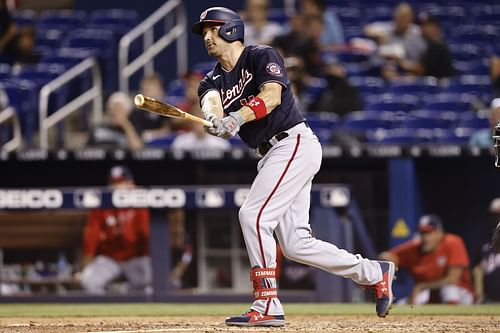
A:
[139, 99]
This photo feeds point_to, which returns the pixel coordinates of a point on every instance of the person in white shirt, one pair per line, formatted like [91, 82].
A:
[258, 30]
[197, 139]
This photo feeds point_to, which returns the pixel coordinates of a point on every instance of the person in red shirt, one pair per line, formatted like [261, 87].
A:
[116, 242]
[437, 261]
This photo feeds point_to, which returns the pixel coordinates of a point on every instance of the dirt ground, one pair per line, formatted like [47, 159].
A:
[351, 324]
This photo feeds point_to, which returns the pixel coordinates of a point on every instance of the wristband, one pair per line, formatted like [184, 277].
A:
[258, 107]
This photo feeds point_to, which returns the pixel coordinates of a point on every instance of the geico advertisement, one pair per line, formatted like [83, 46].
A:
[19, 199]
[154, 198]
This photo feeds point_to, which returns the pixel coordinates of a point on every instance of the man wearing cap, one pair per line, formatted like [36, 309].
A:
[116, 242]
[437, 261]
[487, 266]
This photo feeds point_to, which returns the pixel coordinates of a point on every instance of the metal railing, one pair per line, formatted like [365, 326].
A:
[176, 33]
[93, 94]
[9, 114]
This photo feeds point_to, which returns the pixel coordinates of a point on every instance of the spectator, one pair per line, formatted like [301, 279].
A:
[332, 34]
[258, 29]
[147, 124]
[437, 261]
[482, 137]
[116, 242]
[487, 267]
[436, 60]
[495, 74]
[7, 29]
[117, 129]
[399, 39]
[299, 43]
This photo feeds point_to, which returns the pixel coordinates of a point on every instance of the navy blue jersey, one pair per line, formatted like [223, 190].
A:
[257, 65]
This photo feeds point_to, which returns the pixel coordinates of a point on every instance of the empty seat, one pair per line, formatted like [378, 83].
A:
[322, 120]
[49, 37]
[400, 136]
[176, 88]
[361, 120]
[472, 120]
[277, 15]
[64, 20]
[392, 102]
[420, 87]
[458, 135]
[4, 71]
[119, 21]
[162, 142]
[22, 96]
[368, 84]
[25, 17]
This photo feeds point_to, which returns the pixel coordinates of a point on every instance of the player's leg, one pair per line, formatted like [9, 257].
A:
[138, 272]
[453, 294]
[298, 244]
[282, 173]
[99, 273]
[294, 234]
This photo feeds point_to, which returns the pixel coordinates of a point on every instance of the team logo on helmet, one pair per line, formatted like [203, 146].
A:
[274, 69]
[203, 15]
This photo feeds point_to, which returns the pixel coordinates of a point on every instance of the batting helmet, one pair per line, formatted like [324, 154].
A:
[232, 28]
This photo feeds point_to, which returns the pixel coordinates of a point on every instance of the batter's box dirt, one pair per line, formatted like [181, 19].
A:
[350, 324]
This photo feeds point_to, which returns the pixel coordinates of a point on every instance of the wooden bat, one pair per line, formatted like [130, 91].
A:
[165, 109]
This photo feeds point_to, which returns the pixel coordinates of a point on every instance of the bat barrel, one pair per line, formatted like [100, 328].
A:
[139, 100]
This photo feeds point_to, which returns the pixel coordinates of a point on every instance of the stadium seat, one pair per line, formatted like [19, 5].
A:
[459, 135]
[176, 88]
[162, 142]
[394, 102]
[4, 71]
[26, 17]
[446, 106]
[419, 87]
[475, 121]
[23, 97]
[322, 120]
[473, 67]
[465, 52]
[49, 37]
[400, 136]
[361, 120]
[277, 15]
[367, 85]
[119, 21]
[64, 20]
[315, 87]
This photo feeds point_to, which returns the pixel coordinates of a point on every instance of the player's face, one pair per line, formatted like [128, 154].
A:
[213, 42]
[430, 240]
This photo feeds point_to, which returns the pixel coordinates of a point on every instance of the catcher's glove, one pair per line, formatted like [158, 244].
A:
[495, 242]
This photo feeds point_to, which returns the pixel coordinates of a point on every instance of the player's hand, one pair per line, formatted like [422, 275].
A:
[232, 124]
[217, 129]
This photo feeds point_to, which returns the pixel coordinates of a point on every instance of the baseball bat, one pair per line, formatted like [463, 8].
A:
[165, 109]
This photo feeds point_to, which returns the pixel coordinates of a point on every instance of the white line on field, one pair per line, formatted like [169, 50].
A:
[148, 331]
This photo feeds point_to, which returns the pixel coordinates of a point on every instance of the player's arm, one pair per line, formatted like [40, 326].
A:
[270, 95]
[211, 104]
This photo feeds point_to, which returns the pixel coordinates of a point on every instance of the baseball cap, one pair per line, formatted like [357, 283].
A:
[119, 173]
[429, 223]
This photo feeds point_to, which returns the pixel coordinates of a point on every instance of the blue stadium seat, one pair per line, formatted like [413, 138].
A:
[322, 120]
[394, 102]
[429, 123]
[64, 20]
[361, 120]
[368, 85]
[465, 52]
[400, 136]
[277, 15]
[472, 120]
[26, 17]
[315, 87]
[4, 71]
[176, 88]
[104, 45]
[204, 67]
[459, 135]
[476, 38]
[473, 67]
[162, 142]
[120, 21]
[23, 97]
[447, 106]
[49, 37]
[419, 87]
[493, 18]
[345, 56]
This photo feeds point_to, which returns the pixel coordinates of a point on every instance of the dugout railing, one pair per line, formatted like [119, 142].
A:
[9, 115]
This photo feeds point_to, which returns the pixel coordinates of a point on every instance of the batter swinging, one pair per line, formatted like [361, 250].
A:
[248, 93]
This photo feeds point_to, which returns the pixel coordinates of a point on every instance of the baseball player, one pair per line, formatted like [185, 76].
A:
[116, 242]
[248, 93]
